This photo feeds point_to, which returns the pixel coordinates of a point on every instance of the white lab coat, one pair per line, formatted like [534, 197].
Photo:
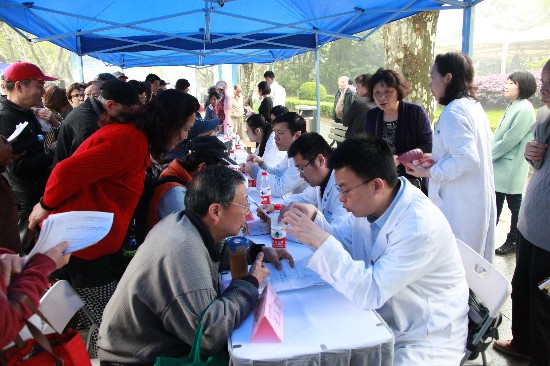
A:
[412, 275]
[462, 182]
[283, 178]
[272, 155]
[329, 204]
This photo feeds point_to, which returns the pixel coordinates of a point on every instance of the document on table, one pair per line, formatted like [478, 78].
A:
[293, 278]
[80, 228]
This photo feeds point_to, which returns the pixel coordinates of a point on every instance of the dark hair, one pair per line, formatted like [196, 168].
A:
[526, 83]
[10, 85]
[258, 121]
[367, 157]
[461, 68]
[264, 88]
[182, 84]
[214, 184]
[363, 80]
[191, 162]
[391, 79]
[309, 145]
[138, 86]
[269, 74]
[73, 87]
[213, 94]
[350, 82]
[165, 116]
[294, 121]
[55, 98]
[151, 78]
[278, 110]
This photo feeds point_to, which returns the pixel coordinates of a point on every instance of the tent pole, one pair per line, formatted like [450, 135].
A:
[468, 16]
[317, 86]
[79, 49]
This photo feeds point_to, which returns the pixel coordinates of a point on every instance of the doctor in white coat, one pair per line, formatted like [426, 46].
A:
[284, 178]
[461, 180]
[310, 152]
[396, 254]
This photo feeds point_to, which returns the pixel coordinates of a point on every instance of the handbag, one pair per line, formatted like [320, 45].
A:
[194, 358]
[65, 349]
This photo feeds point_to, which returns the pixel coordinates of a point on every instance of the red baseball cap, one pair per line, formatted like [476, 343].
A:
[24, 71]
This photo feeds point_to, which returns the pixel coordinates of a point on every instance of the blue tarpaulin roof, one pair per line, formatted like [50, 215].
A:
[131, 33]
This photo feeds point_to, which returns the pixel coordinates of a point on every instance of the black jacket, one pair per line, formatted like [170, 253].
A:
[79, 124]
[349, 97]
[354, 118]
[27, 175]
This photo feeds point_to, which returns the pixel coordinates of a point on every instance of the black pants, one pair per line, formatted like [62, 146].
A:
[514, 204]
[530, 306]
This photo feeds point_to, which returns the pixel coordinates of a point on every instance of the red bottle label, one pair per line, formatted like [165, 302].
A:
[278, 243]
[252, 183]
[265, 200]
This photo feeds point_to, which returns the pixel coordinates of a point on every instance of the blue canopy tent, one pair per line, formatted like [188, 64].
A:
[127, 33]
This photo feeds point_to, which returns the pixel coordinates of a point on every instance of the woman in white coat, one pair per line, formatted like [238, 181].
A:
[461, 180]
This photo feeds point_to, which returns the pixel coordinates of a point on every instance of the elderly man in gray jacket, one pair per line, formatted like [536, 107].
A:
[174, 277]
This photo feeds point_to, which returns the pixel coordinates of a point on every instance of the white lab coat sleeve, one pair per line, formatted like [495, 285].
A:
[406, 259]
[309, 195]
[342, 232]
[459, 144]
[284, 178]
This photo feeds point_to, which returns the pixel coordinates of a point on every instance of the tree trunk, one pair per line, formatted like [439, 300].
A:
[246, 77]
[409, 45]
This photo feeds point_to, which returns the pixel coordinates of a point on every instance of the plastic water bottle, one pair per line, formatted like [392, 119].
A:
[265, 189]
[278, 234]
[130, 245]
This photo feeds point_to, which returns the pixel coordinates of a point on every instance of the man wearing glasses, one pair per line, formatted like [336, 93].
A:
[396, 254]
[76, 94]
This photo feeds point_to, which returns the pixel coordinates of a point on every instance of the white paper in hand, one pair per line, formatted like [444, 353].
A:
[80, 228]
[292, 278]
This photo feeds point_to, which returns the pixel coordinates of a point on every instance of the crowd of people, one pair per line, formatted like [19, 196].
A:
[384, 228]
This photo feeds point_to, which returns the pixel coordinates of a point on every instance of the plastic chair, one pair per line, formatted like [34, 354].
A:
[59, 304]
[489, 290]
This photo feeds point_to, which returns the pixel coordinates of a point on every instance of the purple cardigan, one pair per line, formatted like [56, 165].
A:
[413, 127]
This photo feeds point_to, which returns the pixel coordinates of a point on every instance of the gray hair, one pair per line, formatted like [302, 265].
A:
[214, 184]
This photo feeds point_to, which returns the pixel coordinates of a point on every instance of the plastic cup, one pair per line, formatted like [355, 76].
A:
[238, 256]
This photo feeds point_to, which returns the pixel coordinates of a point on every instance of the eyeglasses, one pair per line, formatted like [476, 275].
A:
[73, 96]
[345, 192]
[301, 170]
[246, 208]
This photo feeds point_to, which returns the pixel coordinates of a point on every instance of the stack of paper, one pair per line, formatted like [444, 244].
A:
[292, 278]
[80, 228]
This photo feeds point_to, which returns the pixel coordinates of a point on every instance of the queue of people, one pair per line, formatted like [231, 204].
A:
[383, 230]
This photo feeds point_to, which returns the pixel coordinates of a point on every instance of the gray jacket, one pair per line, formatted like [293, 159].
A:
[161, 296]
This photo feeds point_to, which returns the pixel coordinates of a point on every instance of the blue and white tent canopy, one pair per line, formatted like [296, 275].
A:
[131, 33]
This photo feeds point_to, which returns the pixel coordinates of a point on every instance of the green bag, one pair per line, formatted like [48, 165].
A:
[194, 358]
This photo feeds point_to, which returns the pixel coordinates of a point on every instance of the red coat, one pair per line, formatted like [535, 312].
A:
[106, 173]
[31, 282]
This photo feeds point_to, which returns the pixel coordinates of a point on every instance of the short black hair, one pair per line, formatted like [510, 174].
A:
[391, 79]
[526, 83]
[138, 86]
[294, 121]
[264, 88]
[269, 74]
[363, 79]
[367, 157]
[182, 84]
[309, 145]
[214, 184]
[151, 78]
[462, 83]
[278, 110]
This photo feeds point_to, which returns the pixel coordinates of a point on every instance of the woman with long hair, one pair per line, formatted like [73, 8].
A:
[107, 173]
[258, 131]
[461, 179]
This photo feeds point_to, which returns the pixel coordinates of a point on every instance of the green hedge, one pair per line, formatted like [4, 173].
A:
[308, 91]
[326, 107]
